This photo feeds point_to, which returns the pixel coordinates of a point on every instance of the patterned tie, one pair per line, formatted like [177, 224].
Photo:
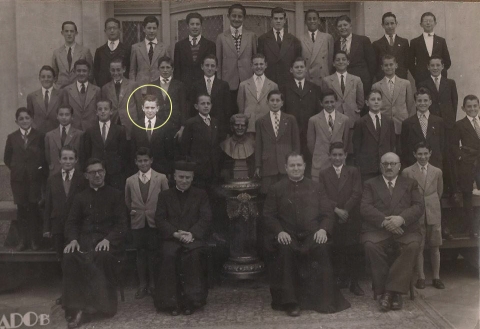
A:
[238, 40]
[313, 36]
[330, 123]
[437, 84]
[64, 135]
[46, 100]
[69, 58]
[144, 179]
[82, 90]
[209, 86]
[475, 125]
[112, 45]
[207, 121]
[149, 130]
[67, 182]
[342, 84]
[150, 52]
[424, 171]
[279, 40]
[25, 139]
[423, 124]
[390, 188]
[194, 49]
[104, 132]
[391, 86]
[344, 44]
[277, 123]
[391, 40]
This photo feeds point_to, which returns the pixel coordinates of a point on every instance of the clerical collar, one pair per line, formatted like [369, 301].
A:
[182, 191]
[97, 188]
[296, 181]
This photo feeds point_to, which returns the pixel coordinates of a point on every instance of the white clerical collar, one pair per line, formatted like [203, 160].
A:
[296, 181]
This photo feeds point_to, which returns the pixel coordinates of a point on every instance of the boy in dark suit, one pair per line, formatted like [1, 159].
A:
[45, 101]
[108, 142]
[25, 157]
[190, 52]
[373, 136]
[391, 44]
[467, 133]
[279, 47]
[221, 98]
[112, 49]
[423, 127]
[276, 136]
[426, 46]
[343, 186]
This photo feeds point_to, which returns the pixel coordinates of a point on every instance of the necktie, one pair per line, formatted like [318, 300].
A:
[338, 171]
[330, 122]
[277, 124]
[390, 188]
[194, 41]
[209, 86]
[165, 84]
[69, 58]
[300, 85]
[342, 84]
[64, 135]
[237, 38]
[475, 125]
[207, 121]
[391, 86]
[377, 124]
[150, 52]
[67, 182]
[313, 36]
[437, 84]
[423, 124]
[344, 44]
[25, 139]
[424, 171]
[149, 129]
[258, 85]
[279, 40]
[104, 132]
[118, 85]
[195, 49]
[144, 179]
[112, 46]
[82, 90]
[391, 40]
[46, 100]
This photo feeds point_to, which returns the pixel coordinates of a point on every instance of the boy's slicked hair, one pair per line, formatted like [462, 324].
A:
[422, 91]
[237, 6]
[470, 98]
[68, 148]
[23, 110]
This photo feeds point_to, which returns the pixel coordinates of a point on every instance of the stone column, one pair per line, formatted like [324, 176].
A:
[166, 24]
[299, 19]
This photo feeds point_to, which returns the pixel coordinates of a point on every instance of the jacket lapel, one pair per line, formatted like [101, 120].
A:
[398, 191]
[112, 94]
[136, 188]
[112, 132]
[287, 42]
[348, 85]
[335, 84]
[71, 133]
[215, 88]
[52, 103]
[272, 43]
[308, 45]
[336, 125]
[40, 101]
[371, 127]
[252, 88]
[63, 59]
[90, 94]
[282, 126]
[267, 86]
[353, 46]
[144, 51]
[396, 88]
[76, 54]
[343, 178]
[57, 137]
[418, 127]
[267, 122]
[230, 41]
[73, 91]
[317, 45]
[154, 181]
[324, 123]
[419, 177]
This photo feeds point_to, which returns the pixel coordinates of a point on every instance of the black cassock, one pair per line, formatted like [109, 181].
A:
[89, 276]
[300, 273]
[181, 269]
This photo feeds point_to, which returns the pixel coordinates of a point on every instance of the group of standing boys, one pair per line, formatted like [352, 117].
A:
[314, 109]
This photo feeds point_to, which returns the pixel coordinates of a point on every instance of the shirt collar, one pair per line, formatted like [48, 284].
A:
[148, 174]
[79, 85]
[327, 114]
[439, 78]
[426, 35]
[168, 79]
[394, 181]
[182, 191]
[338, 168]
[115, 43]
[232, 30]
[72, 46]
[70, 172]
[316, 33]
[204, 117]
[272, 114]
[49, 91]
[472, 118]
[27, 131]
[296, 181]
[121, 80]
[388, 37]
[393, 79]
[427, 114]
[190, 38]
[340, 74]
[420, 166]
[349, 38]
[281, 33]
[147, 42]
[100, 123]
[302, 81]
[211, 78]
[372, 115]
[153, 120]
[262, 77]
[67, 128]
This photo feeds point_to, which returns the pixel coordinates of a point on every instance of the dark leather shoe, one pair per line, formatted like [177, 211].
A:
[437, 283]
[141, 293]
[188, 310]
[420, 284]
[174, 312]
[356, 289]
[293, 311]
[21, 246]
[397, 302]
[76, 321]
[386, 302]
[35, 246]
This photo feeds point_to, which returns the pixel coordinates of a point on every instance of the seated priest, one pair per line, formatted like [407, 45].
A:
[391, 208]
[183, 218]
[298, 222]
[95, 232]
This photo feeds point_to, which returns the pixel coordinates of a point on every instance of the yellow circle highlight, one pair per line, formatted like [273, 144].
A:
[169, 115]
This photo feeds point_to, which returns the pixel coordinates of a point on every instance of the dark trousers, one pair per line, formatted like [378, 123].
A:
[395, 277]
[29, 223]
[235, 109]
[59, 244]
[348, 262]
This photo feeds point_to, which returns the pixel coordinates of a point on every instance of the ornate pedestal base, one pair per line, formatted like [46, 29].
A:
[242, 211]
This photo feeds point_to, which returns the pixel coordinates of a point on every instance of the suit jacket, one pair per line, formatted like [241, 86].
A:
[120, 114]
[53, 144]
[144, 211]
[271, 150]
[302, 104]
[222, 103]
[195, 217]
[178, 96]
[102, 59]
[399, 106]
[141, 70]
[368, 147]
[44, 119]
[57, 203]
[249, 104]
[66, 75]
[161, 153]
[235, 67]
[377, 203]
[412, 134]
[400, 50]
[444, 100]
[84, 114]
[200, 143]
[419, 57]
[319, 138]
[363, 61]
[27, 165]
[185, 68]
[318, 55]
[113, 152]
[279, 59]
[431, 188]
[352, 101]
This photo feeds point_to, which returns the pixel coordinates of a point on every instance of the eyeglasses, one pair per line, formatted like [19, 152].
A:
[94, 173]
[389, 164]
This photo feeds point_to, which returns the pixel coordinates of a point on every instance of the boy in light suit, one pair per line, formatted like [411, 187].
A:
[325, 128]
[145, 54]
[141, 196]
[397, 101]
[64, 57]
[63, 135]
[252, 93]
[430, 185]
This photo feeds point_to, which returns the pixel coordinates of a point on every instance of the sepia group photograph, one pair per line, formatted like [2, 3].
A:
[203, 164]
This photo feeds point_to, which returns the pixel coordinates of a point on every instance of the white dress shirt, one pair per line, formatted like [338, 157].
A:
[115, 44]
[232, 30]
[427, 114]
[388, 38]
[107, 128]
[190, 38]
[394, 181]
[301, 81]
[339, 75]
[73, 49]
[348, 43]
[205, 118]
[281, 33]
[67, 128]
[70, 174]
[79, 86]
[330, 114]
[152, 121]
[25, 131]
[147, 43]
[428, 37]
[338, 170]
[145, 177]
[372, 115]
[49, 92]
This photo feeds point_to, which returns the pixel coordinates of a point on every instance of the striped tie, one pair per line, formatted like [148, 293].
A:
[423, 124]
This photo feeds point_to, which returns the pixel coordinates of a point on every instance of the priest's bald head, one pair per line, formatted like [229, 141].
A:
[390, 165]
